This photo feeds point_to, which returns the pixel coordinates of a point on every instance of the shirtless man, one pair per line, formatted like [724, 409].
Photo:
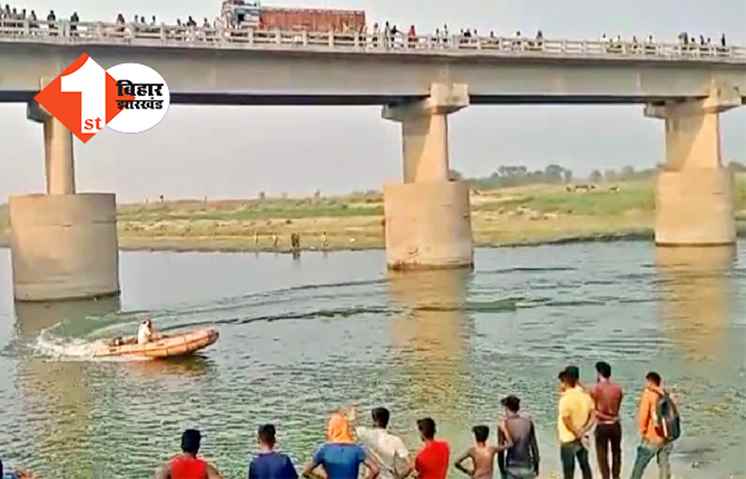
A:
[481, 454]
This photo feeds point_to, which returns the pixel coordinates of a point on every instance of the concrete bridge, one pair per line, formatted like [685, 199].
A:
[65, 244]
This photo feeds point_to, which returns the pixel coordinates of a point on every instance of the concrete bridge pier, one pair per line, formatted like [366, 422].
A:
[428, 222]
[63, 245]
[694, 191]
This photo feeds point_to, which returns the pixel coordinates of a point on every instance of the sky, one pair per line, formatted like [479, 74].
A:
[237, 152]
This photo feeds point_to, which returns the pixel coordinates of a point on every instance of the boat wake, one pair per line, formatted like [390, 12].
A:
[53, 348]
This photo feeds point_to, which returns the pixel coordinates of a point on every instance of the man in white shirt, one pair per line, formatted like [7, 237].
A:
[145, 332]
[388, 450]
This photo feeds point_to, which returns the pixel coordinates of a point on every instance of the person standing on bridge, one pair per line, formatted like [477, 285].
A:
[412, 36]
[395, 36]
[52, 18]
[74, 19]
[376, 32]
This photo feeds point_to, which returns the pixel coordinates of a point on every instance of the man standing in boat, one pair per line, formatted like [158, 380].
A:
[145, 333]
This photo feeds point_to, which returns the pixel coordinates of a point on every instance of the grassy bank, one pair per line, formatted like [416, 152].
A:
[509, 216]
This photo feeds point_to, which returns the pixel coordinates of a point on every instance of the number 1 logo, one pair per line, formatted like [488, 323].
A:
[83, 97]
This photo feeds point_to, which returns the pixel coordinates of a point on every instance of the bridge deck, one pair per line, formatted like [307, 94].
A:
[255, 67]
[99, 33]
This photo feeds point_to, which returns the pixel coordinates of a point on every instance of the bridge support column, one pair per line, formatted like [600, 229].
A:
[428, 219]
[694, 191]
[63, 245]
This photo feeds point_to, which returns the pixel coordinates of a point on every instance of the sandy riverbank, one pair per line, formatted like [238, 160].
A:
[528, 215]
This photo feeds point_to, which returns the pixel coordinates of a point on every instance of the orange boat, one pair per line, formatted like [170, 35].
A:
[164, 346]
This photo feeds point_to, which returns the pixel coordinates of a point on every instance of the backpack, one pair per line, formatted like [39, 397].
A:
[667, 419]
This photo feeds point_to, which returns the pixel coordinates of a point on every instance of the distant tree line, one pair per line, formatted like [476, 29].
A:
[506, 176]
[627, 173]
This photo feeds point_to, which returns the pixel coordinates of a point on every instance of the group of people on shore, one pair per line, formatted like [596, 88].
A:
[350, 448]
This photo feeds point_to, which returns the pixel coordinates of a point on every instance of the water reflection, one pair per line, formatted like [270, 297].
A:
[696, 293]
[76, 318]
[56, 392]
[183, 369]
[431, 335]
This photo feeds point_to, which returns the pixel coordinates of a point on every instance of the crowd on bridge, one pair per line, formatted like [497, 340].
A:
[582, 412]
[386, 35]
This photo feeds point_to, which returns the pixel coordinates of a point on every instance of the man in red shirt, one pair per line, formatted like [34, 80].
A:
[608, 398]
[187, 465]
[432, 461]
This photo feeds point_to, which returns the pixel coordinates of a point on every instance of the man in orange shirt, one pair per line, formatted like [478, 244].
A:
[653, 443]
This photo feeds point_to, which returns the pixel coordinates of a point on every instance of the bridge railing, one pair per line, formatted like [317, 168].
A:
[64, 32]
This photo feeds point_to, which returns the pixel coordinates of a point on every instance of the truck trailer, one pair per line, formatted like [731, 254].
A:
[251, 14]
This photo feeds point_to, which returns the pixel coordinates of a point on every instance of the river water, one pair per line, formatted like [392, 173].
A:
[300, 337]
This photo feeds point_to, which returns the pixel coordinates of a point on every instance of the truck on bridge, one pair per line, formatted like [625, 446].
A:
[251, 14]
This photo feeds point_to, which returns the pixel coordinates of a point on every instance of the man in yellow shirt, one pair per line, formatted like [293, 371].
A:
[576, 419]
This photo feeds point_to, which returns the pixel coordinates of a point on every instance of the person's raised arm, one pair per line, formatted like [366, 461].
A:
[459, 464]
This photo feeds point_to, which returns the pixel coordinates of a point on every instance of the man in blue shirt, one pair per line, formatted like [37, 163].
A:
[268, 463]
[340, 457]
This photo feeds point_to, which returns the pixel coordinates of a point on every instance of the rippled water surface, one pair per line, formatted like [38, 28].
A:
[299, 337]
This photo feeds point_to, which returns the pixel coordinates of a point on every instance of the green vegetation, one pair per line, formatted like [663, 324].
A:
[249, 210]
[630, 197]
[527, 214]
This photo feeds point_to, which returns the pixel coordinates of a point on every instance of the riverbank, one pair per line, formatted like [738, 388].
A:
[528, 215]
[415, 343]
